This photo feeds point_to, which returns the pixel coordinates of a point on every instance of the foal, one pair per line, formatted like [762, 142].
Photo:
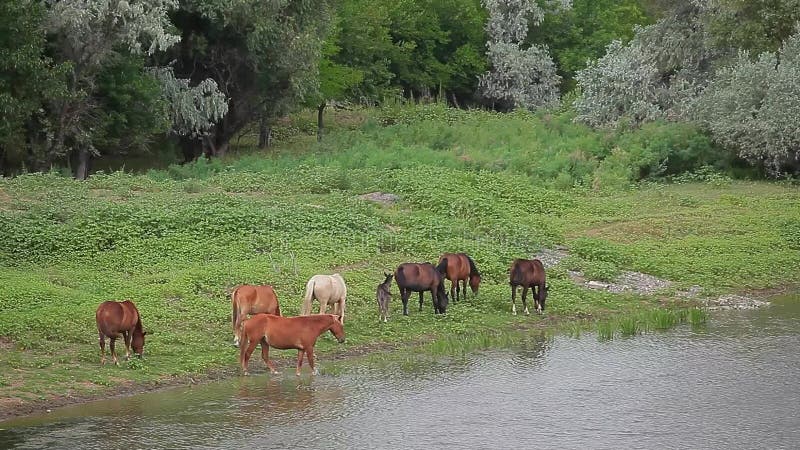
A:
[384, 296]
[284, 333]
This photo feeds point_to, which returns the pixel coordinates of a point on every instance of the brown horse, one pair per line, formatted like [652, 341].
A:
[285, 333]
[251, 299]
[119, 319]
[461, 267]
[413, 277]
[528, 273]
[383, 295]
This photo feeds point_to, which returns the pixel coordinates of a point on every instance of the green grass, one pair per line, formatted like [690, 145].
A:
[176, 241]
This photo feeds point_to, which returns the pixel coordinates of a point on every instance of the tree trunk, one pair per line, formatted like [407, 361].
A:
[264, 134]
[82, 168]
[320, 110]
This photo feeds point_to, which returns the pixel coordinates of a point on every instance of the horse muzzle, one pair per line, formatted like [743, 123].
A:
[341, 341]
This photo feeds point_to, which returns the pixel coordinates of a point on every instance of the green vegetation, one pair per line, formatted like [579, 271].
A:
[176, 241]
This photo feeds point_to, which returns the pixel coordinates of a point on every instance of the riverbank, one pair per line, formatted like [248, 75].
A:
[176, 242]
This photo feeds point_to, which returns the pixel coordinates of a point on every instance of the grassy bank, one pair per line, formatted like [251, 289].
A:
[176, 241]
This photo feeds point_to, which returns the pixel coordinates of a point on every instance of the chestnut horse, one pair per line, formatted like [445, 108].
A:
[461, 267]
[383, 295]
[414, 277]
[252, 299]
[285, 333]
[119, 319]
[528, 273]
[326, 289]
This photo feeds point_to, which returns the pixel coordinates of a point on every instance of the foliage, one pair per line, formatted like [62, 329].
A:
[577, 35]
[520, 77]
[193, 110]
[753, 107]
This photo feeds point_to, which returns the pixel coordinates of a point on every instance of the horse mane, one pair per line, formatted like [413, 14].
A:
[442, 267]
[473, 269]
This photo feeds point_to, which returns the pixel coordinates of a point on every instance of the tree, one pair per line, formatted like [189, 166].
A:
[263, 56]
[753, 106]
[90, 36]
[335, 82]
[520, 77]
[27, 77]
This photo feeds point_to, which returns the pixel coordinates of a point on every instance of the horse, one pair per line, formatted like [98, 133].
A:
[326, 289]
[285, 333]
[251, 299]
[528, 273]
[421, 277]
[461, 267]
[115, 319]
[383, 295]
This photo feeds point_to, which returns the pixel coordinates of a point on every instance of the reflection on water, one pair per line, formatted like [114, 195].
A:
[731, 384]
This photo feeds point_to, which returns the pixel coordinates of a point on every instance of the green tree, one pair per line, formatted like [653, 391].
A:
[27, 77]
[264, 57]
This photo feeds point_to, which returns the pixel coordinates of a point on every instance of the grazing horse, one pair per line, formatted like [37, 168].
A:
[251, 299]
[327, 289]
[413, 277]
[528, 273]
[461, 267]
[115, 319]
[284, 333]
[384, 296]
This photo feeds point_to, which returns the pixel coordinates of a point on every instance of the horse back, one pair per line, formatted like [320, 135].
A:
[292, 332]
[114, 317]
[417, 276]
[254, 299]
[458, 267]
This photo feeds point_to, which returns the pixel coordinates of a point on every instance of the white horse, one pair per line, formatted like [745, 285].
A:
[326, 289]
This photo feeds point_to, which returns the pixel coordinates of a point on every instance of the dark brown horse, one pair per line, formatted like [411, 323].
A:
[284, 333]
[252, 299]
[383, 295]
[413, 277]
[528, 273]
[461, 267]
[119, 319]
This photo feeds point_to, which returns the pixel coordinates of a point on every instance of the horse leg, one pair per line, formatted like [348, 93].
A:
[300, 361]
[247, 352]
[404, 294]
[464, 288]
[454, 290]
[310, 353]
[126, 338]
[323, 306]
[524, 301]
[111, 341]
[237, 325]
[535, 293]
[420, 301]
[265, 356]
[513, 300]
[341, 311]
[102, 341]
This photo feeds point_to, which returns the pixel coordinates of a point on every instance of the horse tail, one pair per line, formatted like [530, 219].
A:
[473, 269]
[235, 314]
[306, 310]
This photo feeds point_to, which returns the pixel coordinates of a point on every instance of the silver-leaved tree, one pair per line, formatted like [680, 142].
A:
[520, 76]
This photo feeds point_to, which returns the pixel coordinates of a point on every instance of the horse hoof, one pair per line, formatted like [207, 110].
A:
[246, 373]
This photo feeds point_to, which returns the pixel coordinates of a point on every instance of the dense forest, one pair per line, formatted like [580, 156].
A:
[88, 79]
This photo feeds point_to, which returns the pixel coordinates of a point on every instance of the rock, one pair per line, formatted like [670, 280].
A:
[381, 197]
[550, 257]
[597, 285]
[733, 301]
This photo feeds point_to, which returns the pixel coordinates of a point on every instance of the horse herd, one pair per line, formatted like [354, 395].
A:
[269, 328]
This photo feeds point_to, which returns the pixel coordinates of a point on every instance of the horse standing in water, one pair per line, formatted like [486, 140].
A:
[285, 333]
[326, 289]
[119, 319]
[383, 295]
[413, 277]
[461, 267]
[251, 299]
[528, 273]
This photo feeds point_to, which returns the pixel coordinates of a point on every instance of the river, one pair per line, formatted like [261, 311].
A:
[729, 384]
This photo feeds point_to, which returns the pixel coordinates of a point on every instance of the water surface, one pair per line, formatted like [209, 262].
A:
[730, 384]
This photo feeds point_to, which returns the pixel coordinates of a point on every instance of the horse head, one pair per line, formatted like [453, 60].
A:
[337, 328]
[137, 342]
[444, 299]
[475, 282]
[388, 279]
[542, 297]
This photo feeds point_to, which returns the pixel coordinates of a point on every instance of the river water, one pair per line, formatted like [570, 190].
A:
[730, 384]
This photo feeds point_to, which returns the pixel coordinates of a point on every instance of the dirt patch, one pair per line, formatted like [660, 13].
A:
[381, 197]
[6, 343]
